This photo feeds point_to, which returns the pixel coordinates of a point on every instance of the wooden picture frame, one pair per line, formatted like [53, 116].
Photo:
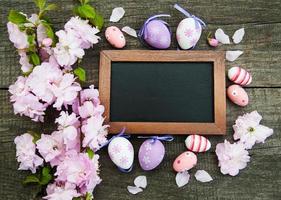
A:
[216, 128]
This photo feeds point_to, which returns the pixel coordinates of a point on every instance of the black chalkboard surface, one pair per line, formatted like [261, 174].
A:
[162, 92]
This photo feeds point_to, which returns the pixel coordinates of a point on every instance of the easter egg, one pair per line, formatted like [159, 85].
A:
[185, 161]
[239, 76]
[157, 34]
[197, 143]
[121, 152]
[115, 37]
[151, 154]
[188, 33]
[237, 95]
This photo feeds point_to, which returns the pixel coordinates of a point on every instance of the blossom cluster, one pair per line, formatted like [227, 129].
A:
[249, 131]
[51, 82]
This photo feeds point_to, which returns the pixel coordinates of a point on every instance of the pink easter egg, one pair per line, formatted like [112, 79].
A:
[197, 143]
[237, 95]
[239, 76]
[115, 37]
[185, 161]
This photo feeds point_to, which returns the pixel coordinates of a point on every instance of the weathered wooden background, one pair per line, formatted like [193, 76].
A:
[262, 56]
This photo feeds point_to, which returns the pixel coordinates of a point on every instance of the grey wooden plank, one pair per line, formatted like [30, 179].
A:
[261, 20]
[261, 179]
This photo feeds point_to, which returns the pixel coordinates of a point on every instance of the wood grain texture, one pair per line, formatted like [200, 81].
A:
[262, 57]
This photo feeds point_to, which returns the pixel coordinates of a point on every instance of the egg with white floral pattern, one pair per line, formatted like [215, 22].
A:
[151, 154]
[121, 152]
[188, 33]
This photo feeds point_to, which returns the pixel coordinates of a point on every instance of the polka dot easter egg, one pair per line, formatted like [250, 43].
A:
[115, 37]
[189, 30]
[197, 143]
[156, 33]
[151, 154]
[121, 152]
[239, 76]
[185, 161]
[237, 95]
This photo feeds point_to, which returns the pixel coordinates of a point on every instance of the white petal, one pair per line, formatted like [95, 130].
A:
[130, 31]
[140, 181]
[117, 14]
[182, 178]
[238, 35]
[134, 190]
[203, 176]
[222, 37]
[233, 55]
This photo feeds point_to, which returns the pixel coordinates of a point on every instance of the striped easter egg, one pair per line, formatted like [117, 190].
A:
[239, 76]
[197, 143]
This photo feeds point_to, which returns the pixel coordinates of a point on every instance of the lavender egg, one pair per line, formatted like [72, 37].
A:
[151, 154]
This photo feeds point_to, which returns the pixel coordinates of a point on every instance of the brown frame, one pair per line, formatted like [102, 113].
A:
[216, 128]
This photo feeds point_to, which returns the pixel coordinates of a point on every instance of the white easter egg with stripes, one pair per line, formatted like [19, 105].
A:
[239, 76]
[188, 33]
[197, 143]
[121, 152]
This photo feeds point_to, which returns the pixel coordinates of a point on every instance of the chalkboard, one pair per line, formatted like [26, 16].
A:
[160, 92]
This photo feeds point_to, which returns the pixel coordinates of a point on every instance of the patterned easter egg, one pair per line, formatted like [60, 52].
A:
[157, 34]
[121, 152]
[185, 161]
[151, 154]
[237, 95]
[197, 143]
[239, 76]
[188, 33]
[115, 37]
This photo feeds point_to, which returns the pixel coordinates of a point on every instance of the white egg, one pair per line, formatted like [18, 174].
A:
[188, 33]
[121, 152]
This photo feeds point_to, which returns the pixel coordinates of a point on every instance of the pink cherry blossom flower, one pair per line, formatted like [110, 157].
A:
[26, 153]
[41, 34]
[90, 94]
[30, 106]
[88, 109]
[24, 62]
[55, 192]
[18, 89]
[94, 132]
[51, 148]
[79, 169]
[83, 31]
[232, 157]
[68, 50]
[65, 91]
[18, 38]
[247, 128]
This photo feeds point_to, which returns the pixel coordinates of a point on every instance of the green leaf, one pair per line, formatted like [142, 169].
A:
[40, 4]
[51, 7]
[36, 136]
[80, 73]
[89, 196]
[98, 21]
[49, 30]
[85, 11]
[16, 17]
[31, 39]
[31, 179]
[46, 177]
[90, 153]
[35, 59]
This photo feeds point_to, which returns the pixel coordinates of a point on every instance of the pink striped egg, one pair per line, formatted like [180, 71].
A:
[239, 76]
[197, 143]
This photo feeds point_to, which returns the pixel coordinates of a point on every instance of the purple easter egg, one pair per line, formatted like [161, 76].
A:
[157, 34]
[151, 154]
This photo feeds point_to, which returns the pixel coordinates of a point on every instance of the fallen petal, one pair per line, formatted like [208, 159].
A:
[182, 178]
[203, 176]
[233, 55]
[238, 35]
[117, 14]
[140, 181]
[222, 37]
[134, 190]
[130, 31]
